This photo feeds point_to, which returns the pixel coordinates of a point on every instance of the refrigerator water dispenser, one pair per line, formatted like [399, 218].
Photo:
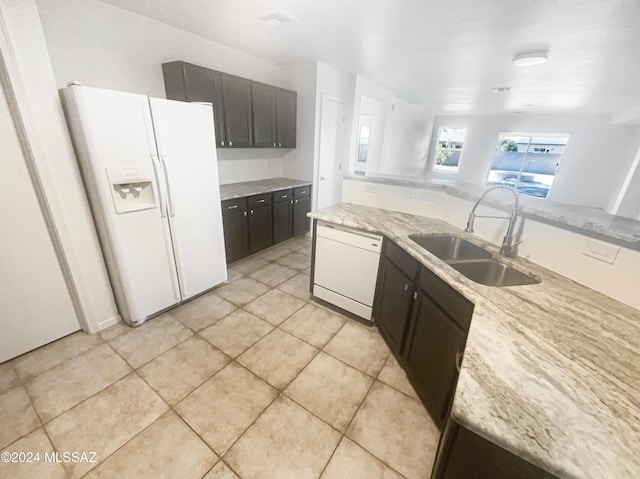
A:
[132, 188]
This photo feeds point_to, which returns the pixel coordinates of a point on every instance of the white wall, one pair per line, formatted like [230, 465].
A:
[39, 107]
[407, 132]
[407, 137]
[377, 132]
[554, 248]
[299, 163]
[104, 46]
[592, 168]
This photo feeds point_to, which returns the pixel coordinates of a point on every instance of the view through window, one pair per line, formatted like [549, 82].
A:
[364, 132]
[449, 149]
[527, 163]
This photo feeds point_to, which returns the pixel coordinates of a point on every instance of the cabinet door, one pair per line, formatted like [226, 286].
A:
[192, 83]
[301, 207]
[264, 115]
[432, 351]
[394, 306]
[236, 239]
[260, 235]
[286, 104]
[236, 93]
[282, 221]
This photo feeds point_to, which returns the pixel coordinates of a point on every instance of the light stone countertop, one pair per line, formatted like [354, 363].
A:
[248, 188]
[589, 221]
[551, 371]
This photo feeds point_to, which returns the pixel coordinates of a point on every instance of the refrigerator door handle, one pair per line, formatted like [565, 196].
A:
[172, 210]
[163, 206]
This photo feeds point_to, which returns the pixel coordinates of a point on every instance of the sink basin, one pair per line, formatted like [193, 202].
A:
[450, 248]
[493, 273]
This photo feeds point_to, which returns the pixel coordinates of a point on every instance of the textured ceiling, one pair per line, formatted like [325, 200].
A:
[446, 55]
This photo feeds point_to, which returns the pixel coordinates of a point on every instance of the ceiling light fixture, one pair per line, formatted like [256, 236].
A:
[528, 59]
[278, 18]
[501, 89]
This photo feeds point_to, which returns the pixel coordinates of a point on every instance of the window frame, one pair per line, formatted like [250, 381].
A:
[439, 168]
[530, 135]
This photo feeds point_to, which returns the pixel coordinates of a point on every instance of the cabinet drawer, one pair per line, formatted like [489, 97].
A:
[400, 258]
[301, 191]
[259, 200]
[453, 303]
[234, 205]
[282, 195]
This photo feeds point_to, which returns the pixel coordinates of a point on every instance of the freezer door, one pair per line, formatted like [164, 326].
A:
[124, 184]
[186, 145]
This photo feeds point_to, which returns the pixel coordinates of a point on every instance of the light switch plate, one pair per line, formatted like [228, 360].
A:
[601, 251]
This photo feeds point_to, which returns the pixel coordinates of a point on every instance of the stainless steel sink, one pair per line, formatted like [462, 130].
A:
[493, 273]
[450, 248]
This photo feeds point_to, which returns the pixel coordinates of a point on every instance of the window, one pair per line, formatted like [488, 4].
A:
[449, 149]
[527, 162]
[364, 132]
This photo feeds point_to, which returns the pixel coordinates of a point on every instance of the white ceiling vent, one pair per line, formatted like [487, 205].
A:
[277, 18]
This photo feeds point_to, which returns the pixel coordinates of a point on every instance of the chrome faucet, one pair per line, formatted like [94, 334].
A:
[508, 246]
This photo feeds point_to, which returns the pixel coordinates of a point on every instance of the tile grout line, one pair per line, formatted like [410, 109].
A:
[280, 393]
[23, 385]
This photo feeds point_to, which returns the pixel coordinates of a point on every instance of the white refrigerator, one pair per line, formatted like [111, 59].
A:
[150, 170]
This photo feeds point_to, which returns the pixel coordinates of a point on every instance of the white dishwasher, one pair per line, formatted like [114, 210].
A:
[346, 267]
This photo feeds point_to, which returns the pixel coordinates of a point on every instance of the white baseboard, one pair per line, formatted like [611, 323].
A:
[108, 322]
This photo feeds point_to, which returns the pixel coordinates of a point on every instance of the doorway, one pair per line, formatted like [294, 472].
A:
[330, 154]
[36, 306]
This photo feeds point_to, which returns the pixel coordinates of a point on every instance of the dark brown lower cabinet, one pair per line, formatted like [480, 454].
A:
[256, 222]
[282, 220]
[301, 206]
[235, 224]
[464, 454]
[260, 234]
[395, 293]
[434, 349]
[424, 322]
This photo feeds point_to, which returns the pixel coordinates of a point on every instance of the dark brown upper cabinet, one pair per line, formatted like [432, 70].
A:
[192, 83]
[264, 115]
[236, 95]
[286, 105]
[246, 113]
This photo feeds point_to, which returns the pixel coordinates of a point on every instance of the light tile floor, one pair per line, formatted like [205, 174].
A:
[252, 380]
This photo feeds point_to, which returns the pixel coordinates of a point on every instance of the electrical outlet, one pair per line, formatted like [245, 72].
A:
[601, 251]
[369, 188]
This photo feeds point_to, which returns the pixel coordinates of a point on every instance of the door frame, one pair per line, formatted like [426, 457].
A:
[323, 97]
[11, 81]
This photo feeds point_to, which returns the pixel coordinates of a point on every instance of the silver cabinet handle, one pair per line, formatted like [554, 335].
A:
[459, 355]
[274, 144]
[284, 196]
[415, 295]
[231, 143]
[245, 213]
[222, 142]
[232, 207]
[406, 287]
[261, 201]
[251, 211]
[296, 201]
[280, 145]
[291, 201]
[303, 192]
